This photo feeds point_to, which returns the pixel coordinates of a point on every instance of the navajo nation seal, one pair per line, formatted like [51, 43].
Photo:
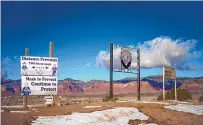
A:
[126, 57]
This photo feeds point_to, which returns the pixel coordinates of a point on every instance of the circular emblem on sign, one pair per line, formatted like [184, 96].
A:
[126, 58]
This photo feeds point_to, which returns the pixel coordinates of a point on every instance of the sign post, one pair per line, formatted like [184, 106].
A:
[25, 96]
[163, 83]
[111, 71]
[138, 73]
[169, 73]
[175, 89]
[125, 64]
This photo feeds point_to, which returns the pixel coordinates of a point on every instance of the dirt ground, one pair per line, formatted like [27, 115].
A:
[156, 112]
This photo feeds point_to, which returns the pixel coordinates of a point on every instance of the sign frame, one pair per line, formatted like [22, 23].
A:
[32, 83]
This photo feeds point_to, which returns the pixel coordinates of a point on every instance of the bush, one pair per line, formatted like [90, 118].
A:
[201, 98]
[107, 98]
[182, 95]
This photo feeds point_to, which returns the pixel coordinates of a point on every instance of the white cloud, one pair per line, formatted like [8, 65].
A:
[161, 51]
[88, 64]
[196, 54]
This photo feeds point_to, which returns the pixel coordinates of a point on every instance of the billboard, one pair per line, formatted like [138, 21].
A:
[124, 59]
[169, 73]
[39, 75]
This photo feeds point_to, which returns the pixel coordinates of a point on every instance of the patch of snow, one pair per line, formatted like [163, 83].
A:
[2, 110]
[195, 109]
[122, 101]
[12, 106]
[39, 105]
[117, 116]
[180, 102]
[20, 106]
[19, 111]
[92, 106]
[140, 102]
[148, 124]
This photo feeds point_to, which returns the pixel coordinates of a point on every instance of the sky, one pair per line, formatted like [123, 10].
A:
[167, 33]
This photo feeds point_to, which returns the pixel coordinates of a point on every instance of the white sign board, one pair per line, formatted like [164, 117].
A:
[39, 75]
[49, 100]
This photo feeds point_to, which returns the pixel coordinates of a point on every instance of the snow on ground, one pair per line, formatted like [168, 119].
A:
[195, 109]
[92, 106]
[12, 106]
[20, 106]
[148, 124]
[19, 111]
[135, 101]
[117, 116]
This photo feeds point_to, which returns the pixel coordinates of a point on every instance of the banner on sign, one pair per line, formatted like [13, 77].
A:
[169, 73]
[39, 75]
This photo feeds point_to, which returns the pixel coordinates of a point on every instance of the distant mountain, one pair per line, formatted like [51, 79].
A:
[74, 81]
[126, 80]
[148, 84]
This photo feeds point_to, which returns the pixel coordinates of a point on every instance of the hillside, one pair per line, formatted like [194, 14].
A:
[127, 85]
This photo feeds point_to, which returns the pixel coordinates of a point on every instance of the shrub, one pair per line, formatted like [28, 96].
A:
[182, 95]
[107, 98]
[201, 98]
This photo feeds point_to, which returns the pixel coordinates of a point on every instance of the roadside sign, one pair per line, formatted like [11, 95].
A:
[49, 100]
[39, 75]
[170, 73]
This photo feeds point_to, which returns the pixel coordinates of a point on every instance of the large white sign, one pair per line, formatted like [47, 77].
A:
[39, 75]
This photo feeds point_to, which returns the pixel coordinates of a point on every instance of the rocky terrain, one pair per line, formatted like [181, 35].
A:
[149, 84]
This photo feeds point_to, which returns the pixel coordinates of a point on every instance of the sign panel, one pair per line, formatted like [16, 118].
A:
[126, 58]
[49, 100]
[123, 60]
[39, 75]
[169, 73]
[38, 66]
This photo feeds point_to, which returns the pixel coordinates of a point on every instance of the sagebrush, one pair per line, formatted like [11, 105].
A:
[108, 98]
[201, 98]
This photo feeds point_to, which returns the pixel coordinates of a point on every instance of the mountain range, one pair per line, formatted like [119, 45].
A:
[150, 84]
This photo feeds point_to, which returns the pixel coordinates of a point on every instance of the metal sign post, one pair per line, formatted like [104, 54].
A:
[111, 71]
[125, 65]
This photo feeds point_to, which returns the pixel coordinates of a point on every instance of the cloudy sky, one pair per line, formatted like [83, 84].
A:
[168, 34]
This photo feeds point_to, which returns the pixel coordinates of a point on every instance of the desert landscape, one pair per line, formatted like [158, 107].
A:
[86, 97]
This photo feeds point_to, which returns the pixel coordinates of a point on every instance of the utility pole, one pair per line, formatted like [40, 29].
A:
[25, 96]
[138, 73]
[111, 71]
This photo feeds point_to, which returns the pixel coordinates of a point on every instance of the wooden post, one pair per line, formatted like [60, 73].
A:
[163, 83]
[51, 54]
[175, 88]
[138, 73]
[111, 71]
[51, 49]
[25, 96]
